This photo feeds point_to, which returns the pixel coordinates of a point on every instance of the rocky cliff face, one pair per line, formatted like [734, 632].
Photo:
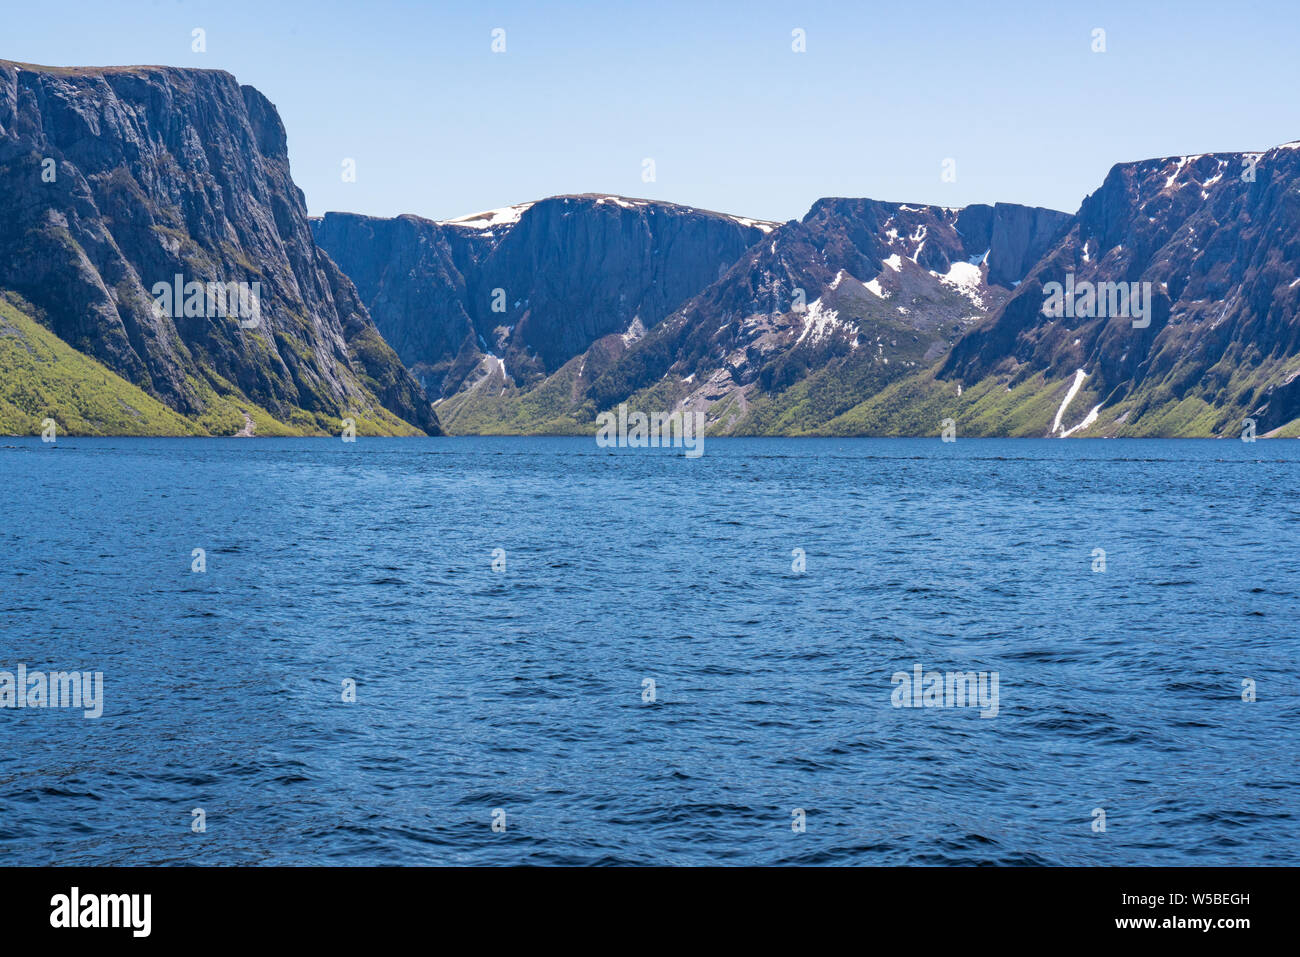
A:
[1212, 243]
[119, 179]
[518, 292]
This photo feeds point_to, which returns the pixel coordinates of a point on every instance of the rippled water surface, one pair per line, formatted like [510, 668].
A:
[522, 690]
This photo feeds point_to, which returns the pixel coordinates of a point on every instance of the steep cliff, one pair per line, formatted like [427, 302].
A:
[118, 180]
[410, 272]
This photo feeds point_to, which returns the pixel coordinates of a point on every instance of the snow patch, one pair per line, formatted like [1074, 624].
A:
[1079, 376]
[505, 216]
[966, 278]
[1182, 161]
[620, 201]
[819, 322]
[762, 224]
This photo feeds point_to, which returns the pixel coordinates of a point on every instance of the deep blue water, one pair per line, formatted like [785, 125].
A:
[522, 690]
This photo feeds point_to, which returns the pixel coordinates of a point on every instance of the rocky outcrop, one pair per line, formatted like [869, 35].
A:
[118, 179]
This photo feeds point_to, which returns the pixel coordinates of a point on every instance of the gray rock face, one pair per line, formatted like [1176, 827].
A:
[158, 172]
[569, 270]
[586, 267]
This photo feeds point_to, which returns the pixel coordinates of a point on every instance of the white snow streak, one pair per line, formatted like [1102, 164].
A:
[1079, 376]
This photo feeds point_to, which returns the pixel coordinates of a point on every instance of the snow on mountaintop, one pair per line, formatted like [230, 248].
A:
[765, 225]
[505, 216]
[620, 201]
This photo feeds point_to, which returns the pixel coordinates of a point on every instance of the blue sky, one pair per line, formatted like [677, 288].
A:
[734, 120]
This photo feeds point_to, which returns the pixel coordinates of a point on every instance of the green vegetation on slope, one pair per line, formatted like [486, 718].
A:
[41, 377]
[806, 407]
[490, 407]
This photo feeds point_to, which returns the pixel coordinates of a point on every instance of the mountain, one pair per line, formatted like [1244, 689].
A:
[512, 294]
[117, 181]
[409, 273]
[811, 319]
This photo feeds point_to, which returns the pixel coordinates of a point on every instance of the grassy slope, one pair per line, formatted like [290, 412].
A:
[41, 377]
[918, 405]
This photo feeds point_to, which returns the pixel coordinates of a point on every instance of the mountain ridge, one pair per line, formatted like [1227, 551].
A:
[862, 317]
[801, 297]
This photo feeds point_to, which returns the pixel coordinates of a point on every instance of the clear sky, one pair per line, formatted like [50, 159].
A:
[712, 91]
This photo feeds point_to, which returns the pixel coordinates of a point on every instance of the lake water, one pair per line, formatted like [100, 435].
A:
[524, 690]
